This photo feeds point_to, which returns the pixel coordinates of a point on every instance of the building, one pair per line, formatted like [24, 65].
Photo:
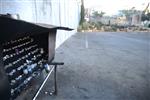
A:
[55, 12]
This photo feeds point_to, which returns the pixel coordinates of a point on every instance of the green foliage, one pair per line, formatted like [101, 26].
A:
[114, 28]
[79, 28]
[129, 12]
[90, 26]
[98, 25]
[82, 13]
[146, 17]
[98, 14]
[85, 26]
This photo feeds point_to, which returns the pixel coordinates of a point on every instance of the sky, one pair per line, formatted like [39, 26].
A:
[111, 7]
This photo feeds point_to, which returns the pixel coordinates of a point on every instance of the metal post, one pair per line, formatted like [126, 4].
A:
[55, 80]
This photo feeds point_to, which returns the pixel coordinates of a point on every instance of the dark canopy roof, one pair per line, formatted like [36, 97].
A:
[10, 28]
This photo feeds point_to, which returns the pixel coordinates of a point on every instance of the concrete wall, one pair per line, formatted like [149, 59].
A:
[55, 12]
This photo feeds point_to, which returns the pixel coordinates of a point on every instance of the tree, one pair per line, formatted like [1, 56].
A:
[130, 12]
[98, 14]
[145, 17]
[82, 12]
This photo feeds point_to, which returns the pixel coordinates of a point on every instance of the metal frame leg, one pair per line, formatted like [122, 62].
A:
[55, 92]
[55, 80]
[45, 80]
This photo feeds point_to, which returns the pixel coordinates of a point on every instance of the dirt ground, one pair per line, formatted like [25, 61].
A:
[103, 66]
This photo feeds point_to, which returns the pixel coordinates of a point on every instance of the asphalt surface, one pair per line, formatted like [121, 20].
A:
[103, 66]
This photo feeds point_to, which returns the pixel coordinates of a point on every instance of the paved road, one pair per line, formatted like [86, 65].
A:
[103, 66]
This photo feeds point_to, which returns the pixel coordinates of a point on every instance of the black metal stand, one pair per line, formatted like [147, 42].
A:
[55, 64]
[55, 76]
